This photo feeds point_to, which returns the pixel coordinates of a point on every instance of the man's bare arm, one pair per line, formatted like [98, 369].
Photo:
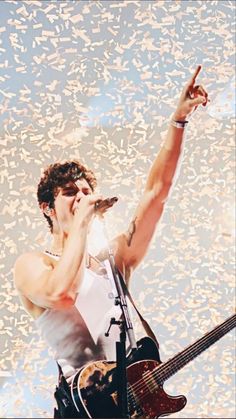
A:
[133, 244]
[57, 287]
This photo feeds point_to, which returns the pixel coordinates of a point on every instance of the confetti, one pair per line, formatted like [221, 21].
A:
[99, 81]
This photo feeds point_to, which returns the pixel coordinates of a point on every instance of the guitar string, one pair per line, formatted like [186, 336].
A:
[160, 370]
[145, 382]
[142, 384]
[170, 371]
[199, 345]
[168, 368]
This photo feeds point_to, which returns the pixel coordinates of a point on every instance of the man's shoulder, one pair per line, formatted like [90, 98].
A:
[26, 268]
[26, 257]
[28, 261]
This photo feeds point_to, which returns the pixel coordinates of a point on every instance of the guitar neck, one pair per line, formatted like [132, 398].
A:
[169, 368]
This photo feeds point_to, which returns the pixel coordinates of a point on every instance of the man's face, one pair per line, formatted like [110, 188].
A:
[67, 199]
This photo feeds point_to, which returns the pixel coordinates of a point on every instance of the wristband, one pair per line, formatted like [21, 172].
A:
[179, 124]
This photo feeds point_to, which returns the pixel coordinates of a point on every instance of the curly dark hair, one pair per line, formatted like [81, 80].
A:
[57, 175]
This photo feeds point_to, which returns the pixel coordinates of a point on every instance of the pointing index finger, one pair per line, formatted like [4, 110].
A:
[193, 78]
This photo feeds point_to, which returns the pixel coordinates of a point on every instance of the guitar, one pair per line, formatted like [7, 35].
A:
[94, 389]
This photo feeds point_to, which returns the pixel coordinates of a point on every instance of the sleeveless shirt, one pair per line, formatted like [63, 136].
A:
[77, 334]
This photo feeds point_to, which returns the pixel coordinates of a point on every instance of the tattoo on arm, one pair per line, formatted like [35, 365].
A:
[131, 231]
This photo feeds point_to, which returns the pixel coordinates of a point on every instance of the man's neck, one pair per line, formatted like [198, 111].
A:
[58, 243]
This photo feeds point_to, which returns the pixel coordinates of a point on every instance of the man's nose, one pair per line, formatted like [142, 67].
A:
[79, 195]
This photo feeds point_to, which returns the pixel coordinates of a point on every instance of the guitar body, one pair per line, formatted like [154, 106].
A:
[94, 389]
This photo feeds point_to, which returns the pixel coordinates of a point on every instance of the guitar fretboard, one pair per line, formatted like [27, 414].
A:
[169, 368]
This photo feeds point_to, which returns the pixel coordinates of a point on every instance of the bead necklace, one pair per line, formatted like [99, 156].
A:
[53, 254]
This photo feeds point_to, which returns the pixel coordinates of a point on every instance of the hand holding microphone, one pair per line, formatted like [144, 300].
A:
[90, 205]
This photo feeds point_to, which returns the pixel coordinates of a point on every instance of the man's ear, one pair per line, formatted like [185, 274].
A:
[46, 209]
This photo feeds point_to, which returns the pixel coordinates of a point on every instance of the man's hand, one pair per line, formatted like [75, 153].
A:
[91, 205]
[191, 97]
[85, 208]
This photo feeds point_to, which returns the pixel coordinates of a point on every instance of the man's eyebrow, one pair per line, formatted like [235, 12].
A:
[69, 186]
[74, 186]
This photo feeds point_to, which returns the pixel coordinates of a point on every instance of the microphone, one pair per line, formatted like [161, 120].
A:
[105, 203]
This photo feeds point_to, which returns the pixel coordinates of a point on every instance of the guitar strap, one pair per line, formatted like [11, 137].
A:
[62, 394]
[145, 324]
[103, 254]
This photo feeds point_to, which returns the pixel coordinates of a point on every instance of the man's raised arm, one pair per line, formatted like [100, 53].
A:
[133, 244]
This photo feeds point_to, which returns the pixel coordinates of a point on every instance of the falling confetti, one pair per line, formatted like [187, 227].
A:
[99, 81]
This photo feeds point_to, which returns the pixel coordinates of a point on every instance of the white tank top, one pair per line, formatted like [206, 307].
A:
[77, 334]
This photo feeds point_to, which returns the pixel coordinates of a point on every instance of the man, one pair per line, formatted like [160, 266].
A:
[64, 288]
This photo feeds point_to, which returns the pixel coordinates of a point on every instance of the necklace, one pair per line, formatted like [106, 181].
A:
[53, 254]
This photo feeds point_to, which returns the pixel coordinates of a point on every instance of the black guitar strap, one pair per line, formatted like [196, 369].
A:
[104, 255]
[145, 324]
[62, 394]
